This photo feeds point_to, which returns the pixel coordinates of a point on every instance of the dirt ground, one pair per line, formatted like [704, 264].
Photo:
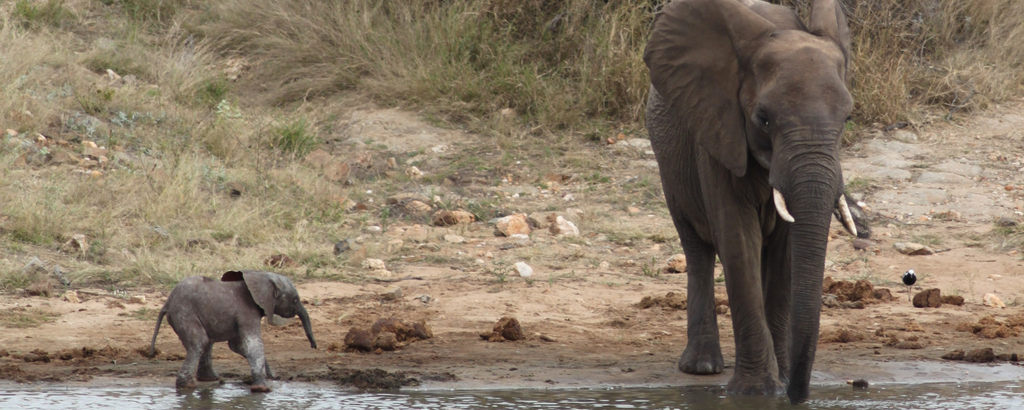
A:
[942, 185]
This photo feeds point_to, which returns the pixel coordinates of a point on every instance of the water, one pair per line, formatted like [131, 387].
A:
[1004, 395]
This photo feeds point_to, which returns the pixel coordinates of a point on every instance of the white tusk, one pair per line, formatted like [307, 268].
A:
[780, 206]
[847, 217]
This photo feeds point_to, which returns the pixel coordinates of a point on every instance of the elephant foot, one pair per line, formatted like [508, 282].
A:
[755, 385]
[702, 358]
[208, 378]
[259, 388]
[185, 383]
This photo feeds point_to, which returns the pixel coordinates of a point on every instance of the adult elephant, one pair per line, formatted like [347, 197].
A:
[746, 109]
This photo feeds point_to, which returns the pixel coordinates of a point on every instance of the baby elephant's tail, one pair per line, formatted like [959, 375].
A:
[159, 319]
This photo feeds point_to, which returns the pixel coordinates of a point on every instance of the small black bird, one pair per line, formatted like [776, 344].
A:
[909, 279]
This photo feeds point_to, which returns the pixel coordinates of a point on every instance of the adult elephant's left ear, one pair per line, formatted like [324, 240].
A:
[696, 56]
[828, 20]
[262, 287]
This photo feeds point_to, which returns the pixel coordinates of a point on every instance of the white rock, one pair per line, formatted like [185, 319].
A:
[523, 269]
[374, 264]
[71, 297]
[373, 228]
[562, 227]
[413, 172]
[604, 265]
[991, 300]
[677, 263]
[452, 238]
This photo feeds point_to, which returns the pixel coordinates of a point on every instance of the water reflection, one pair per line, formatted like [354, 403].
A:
[291, 396]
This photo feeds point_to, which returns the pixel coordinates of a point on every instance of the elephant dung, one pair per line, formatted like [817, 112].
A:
[671, 301]
[843, 335]
[952, 300]
[403, 332]
[449, 218]
[507, 329]
[913, 249]
[386, 341]
[985, 355]
[359, 339]
[930, 298]
[514, 224]
[280, 261]
[957, 354]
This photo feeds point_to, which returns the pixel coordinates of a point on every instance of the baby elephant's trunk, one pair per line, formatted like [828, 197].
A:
[304, 317]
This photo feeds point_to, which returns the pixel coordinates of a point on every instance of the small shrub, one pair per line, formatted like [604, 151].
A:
[294, 137]
[35, 14]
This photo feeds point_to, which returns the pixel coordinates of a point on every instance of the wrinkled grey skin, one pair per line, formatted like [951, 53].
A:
[746, 98]
[203, 311]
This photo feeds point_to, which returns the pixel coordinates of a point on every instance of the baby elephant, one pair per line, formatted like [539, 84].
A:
[203, 311]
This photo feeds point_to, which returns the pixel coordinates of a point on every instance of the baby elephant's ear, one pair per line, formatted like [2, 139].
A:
[262, 286]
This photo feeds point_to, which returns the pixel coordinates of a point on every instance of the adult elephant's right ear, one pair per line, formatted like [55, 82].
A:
[694, 56]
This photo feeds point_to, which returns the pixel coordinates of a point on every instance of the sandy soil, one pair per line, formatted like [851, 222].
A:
[942, 185]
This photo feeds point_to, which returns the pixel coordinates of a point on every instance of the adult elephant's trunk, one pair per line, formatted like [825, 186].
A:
[304, 317]
[811, 202]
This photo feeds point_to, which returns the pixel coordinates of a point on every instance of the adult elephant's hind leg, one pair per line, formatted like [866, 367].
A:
[703, 354]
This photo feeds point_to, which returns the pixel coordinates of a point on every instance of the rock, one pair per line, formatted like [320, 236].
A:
[392, 293]
[413, 172]
[395, 245]
[604, 265]
[677, 263]
[137, 299]
[449, 218]
[94, 152]
[991, 300]
[392, 163]
[562, 227]
[853, 305]
[71, 297]
[514, 224]
[42, 288]
[77, 244]
[342, 246]
[862, 244]
[930, 298]
[34, 265]
[403, 198]
[721, 309]
[913, 248]
[952, 300]
[1006, 222]
[523, 269]
[830, 300]
[280, 261]
[452, 238]
[507, 329]
[632, 210]
[376, 266]
[860, 384]
[985, 355]
[954, 355]
[359, 339]
[416, 207]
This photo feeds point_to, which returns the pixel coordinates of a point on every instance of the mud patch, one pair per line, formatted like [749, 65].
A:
[373, 379]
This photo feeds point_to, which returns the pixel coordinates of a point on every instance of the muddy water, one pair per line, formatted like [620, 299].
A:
[1004, 395]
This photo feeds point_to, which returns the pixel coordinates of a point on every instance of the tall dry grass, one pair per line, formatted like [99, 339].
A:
[558, 64]
[570, 63]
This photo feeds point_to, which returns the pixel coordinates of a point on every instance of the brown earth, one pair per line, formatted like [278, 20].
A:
[945, 185]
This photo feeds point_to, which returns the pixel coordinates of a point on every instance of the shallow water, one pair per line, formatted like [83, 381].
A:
[1005, 395]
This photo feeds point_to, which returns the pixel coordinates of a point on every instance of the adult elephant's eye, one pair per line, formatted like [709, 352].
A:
[762, 120]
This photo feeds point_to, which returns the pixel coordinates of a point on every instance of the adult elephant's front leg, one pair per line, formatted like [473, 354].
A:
[703, 354]
[738, 241]
[776, 278]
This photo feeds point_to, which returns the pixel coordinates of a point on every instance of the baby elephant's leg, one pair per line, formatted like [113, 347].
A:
[252, 349]
[195, 346]
[206, 372]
